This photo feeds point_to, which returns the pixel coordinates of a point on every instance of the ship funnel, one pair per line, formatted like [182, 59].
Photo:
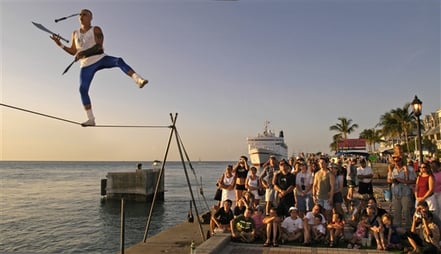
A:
[281, 134]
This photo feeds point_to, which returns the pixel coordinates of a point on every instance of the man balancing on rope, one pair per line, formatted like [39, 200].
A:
[87, 46]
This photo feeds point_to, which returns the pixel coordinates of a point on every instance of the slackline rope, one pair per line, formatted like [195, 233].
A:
[77, 123]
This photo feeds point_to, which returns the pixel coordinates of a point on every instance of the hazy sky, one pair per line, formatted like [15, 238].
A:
[224, 66]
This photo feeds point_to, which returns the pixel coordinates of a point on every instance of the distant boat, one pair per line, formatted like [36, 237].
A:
[260, 148]
[157, 164]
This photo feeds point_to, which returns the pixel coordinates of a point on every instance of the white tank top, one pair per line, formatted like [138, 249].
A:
[85, 41]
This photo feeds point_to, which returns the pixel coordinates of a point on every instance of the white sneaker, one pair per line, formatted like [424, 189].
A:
[142, 82]
[90, 122]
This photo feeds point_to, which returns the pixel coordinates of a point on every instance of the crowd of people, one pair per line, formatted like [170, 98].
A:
[312, 199]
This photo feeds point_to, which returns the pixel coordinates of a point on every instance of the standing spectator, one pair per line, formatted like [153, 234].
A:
[284, 183]
[270, 168]
[240, 170]
[337, 199]
[435, 165]
[243, 228]
[400, 178]
[272, 222]
[343, 171]
[425, 184]
[292, 226]
[227, 182]
[253, 184]
[303, 188]
[364, 175]
[351, 177]
[323, 188]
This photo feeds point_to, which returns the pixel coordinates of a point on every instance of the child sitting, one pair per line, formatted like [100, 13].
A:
[335, 228]
[360, 233]
[376, 226]
[391, 236]
[318, 229]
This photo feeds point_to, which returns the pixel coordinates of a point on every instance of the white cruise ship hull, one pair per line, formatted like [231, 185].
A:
[261, 147]
[258, 156]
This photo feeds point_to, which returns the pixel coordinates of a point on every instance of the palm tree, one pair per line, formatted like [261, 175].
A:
[372, 136]
[344, 127]
[398, 123]
[336, 139]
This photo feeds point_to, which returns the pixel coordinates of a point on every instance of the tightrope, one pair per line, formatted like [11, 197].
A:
[78, 123]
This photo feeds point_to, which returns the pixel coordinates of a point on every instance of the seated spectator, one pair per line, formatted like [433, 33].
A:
[243, 227]
[292, 226]
[220, 221]
[392, 239]
[318, 229]
[272, 222]
[376, 227]
[309, 222]
[247, 201]
[336, 229]
[423, 207]
[424, 235]
[360, 233]
[373, 202]
[258, 217]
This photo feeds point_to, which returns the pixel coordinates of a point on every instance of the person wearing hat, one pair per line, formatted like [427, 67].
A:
[292, 226]
[401, 177]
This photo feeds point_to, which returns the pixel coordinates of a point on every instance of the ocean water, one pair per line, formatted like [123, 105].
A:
[56, 207]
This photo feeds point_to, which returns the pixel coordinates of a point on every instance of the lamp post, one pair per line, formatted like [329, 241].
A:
[417, 107]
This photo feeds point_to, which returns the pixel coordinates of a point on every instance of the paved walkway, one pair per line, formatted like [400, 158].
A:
[241, 248]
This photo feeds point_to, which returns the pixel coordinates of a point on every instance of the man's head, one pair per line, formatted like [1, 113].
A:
[293, 212]
[248, 212]
[227, 204]
[85, 16]
[284, 166]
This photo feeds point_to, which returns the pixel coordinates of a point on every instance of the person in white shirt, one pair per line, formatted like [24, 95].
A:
[87, 46]
[365, 174]
[309, 223]
[292, 226]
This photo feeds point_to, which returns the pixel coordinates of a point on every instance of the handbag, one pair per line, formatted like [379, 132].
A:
[218, 194]
[261, 191]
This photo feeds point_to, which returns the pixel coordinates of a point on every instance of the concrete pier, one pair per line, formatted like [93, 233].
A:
[138, 185]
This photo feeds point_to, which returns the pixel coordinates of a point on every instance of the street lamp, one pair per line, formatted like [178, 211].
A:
[417, 107]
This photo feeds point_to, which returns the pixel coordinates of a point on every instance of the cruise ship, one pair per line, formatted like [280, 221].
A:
[260, 148]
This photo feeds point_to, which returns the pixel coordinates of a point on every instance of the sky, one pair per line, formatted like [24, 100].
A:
[225, 67]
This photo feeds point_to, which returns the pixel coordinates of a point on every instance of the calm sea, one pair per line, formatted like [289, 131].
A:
[56, 207]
